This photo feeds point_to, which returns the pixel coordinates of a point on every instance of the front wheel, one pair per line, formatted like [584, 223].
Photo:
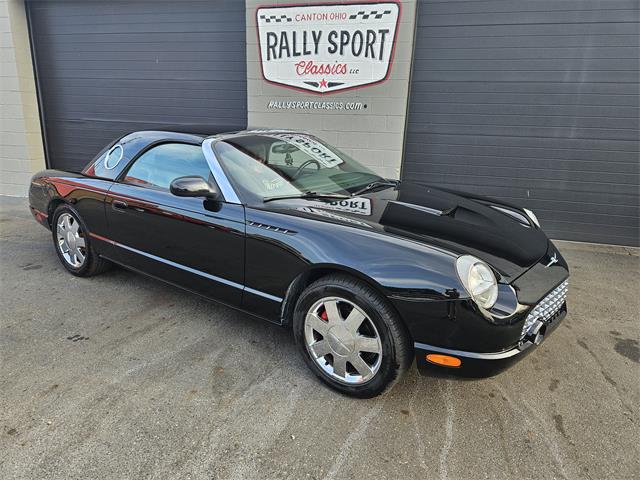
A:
[350, 336]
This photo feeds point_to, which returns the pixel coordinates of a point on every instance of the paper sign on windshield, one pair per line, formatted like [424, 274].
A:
[314, 149]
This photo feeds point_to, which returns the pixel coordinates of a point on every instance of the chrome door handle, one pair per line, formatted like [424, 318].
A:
[119, 205]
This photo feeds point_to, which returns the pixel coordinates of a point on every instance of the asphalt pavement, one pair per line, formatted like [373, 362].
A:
[120, 376]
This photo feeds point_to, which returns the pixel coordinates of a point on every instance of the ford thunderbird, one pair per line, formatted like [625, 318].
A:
[370, 273]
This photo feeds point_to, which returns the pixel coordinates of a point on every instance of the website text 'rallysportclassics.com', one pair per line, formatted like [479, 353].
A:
[314, 105]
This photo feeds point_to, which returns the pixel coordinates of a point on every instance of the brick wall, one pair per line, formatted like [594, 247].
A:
[373, 136]
[21, 152]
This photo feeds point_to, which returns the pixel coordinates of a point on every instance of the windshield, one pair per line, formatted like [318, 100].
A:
[263, 166]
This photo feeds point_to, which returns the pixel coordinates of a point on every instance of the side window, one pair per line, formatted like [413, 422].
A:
[159, 166]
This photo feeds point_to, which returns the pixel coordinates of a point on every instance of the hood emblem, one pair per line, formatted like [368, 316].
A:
[552, 260]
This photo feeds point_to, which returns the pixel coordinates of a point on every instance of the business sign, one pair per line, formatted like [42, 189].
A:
[327, 48]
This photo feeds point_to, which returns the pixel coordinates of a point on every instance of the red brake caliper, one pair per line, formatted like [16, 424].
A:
[324, 316]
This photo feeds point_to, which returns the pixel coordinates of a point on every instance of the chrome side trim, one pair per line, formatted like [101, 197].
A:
[432, 211]
[218, 173]
[181, 267]
[224, 281]
[262, 294]
[479, 356]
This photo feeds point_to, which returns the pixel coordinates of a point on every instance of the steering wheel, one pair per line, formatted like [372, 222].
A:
[284, 148]
[305, 165]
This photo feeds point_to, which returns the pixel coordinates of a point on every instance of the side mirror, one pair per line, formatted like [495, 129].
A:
[194, 187]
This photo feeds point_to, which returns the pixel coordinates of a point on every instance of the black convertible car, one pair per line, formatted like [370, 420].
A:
[369, 272]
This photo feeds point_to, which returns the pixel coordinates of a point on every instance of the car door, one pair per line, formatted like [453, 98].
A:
[196, 243]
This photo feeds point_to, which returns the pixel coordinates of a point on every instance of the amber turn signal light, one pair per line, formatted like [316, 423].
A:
[444, 360]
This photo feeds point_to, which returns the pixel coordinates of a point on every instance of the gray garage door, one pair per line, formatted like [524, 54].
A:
[535, 102]
[106, 67]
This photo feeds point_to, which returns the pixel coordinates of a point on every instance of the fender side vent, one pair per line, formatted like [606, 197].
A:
[271, 228]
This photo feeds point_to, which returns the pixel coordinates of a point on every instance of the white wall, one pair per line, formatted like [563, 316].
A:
[21, 151]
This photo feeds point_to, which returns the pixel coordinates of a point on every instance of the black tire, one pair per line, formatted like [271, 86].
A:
[92, 264]
[397, 352]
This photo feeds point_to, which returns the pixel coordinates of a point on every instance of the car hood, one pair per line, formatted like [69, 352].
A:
[492, 230]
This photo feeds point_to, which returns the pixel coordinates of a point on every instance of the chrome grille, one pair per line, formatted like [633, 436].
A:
[547, 308]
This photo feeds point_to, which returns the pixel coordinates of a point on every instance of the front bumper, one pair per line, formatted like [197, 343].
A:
[486, 364]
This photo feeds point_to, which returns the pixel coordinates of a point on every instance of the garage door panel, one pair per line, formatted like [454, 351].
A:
[546, 64]
[449, 159]
[106, 20]
[102, 104]
[623, 224]
[101, 86]
[107, 68]
[597, 236]
[527, 131]
[613, 231]
[121, 40]
[535, 103]
[205, 49]
[525, 119]
[573, 74]
[478, 178]
[171, 73]
[124, 8]
[534, 171]
[624, 113]
[496, 6]
[124, 24]
[86, 94]
[523, 54]
[108, 55]
[518, 17]
[536, 90]
[475, 95]
[516, 40]
[570, 146]
[149, 64]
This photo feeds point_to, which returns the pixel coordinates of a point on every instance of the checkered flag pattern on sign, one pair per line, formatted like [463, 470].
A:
[275, 18]
[366, 15]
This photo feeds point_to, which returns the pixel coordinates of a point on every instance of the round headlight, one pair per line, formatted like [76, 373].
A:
[478, 279]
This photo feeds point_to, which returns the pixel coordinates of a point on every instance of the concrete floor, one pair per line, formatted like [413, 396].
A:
[121, 376]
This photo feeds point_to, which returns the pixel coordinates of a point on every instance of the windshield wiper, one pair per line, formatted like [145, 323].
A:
[307, 195]
[376, 184]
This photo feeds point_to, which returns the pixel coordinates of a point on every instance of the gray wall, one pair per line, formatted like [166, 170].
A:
[105, 68]
[373, 136]
[534, 102]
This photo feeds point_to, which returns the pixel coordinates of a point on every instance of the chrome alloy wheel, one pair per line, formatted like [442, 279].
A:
[71, 240]
[342, 340]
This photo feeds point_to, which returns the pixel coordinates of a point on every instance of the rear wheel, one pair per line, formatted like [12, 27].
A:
[72, 243]
[350, 336]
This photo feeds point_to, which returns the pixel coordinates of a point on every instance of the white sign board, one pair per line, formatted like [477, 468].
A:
[327, 48]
